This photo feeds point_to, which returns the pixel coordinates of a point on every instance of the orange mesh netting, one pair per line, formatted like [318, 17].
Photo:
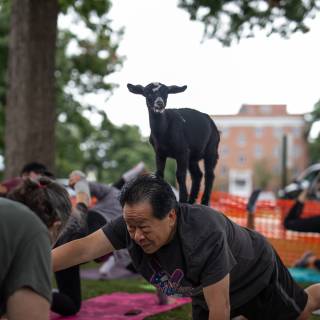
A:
[268, 220]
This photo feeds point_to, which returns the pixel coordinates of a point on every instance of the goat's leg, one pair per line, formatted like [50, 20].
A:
[161, 164]
[181, 174]
[210, 162]
[196, 176]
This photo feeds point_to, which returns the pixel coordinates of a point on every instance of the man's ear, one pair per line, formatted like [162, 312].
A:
[137, 89]
[172, 216]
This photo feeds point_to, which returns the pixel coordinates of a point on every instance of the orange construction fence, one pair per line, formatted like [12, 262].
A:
[268, 220]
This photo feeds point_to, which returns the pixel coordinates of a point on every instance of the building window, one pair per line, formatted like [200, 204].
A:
[265, 108]
[276, 152]
[297, 152]
[278, 132]
[277, 168]
[296, 132]
[223, 171]
[241, 140]
[258, 132]
[225, 132]
[296, 172]
[240, 183]
[224, 151]
[241, 159]
[258, 151]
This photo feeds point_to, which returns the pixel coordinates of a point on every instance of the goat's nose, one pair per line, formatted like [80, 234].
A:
[159, 102]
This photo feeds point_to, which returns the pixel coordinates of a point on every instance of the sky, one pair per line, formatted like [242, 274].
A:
[162, 44]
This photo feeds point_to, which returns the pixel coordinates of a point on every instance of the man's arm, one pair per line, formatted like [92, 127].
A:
[79, 251]
[217, 298]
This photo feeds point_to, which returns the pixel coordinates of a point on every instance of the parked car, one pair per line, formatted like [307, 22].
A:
[307, 179]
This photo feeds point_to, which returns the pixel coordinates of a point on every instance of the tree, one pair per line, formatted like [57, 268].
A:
[229, 20]
[31, 111]
[4, 31]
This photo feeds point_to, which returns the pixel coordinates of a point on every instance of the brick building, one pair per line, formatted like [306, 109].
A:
[251, 148]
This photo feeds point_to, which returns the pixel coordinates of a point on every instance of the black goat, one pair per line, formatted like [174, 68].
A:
[184, 134]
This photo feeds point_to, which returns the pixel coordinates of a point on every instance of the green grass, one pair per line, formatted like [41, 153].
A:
[92, 288]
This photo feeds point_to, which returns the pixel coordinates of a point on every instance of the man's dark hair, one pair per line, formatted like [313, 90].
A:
[152, 189]
[38, 168]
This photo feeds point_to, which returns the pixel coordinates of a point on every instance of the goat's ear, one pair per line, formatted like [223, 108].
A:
[176, 89]
[137, 89]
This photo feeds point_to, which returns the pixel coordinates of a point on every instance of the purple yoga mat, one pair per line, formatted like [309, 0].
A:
[115, 306]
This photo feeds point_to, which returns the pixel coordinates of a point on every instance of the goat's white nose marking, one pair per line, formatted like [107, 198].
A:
[158, 86]
[158, 101]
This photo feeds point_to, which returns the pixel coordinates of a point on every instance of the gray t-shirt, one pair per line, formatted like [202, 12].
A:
[206, 247]
[25, 252]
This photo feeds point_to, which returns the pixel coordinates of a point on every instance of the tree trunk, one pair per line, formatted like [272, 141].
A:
[30, 110]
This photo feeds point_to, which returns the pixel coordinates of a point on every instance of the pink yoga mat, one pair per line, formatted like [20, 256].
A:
[114, 306]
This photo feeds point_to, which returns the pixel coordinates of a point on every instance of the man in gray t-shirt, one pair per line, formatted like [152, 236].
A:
[192, 250]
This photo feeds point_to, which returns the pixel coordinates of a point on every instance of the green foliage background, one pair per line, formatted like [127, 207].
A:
[231, 20]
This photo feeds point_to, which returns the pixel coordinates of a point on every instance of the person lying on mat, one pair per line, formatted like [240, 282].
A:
[193, 250]
[30, 220]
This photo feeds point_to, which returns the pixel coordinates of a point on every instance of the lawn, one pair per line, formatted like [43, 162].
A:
[92, 288]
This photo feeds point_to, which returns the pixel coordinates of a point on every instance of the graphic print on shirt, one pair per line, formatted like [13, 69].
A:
[169, 284]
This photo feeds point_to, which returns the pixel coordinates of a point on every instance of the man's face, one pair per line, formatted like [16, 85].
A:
[149, 232]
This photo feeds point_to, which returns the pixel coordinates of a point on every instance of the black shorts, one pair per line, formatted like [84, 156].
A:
[282, 299]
